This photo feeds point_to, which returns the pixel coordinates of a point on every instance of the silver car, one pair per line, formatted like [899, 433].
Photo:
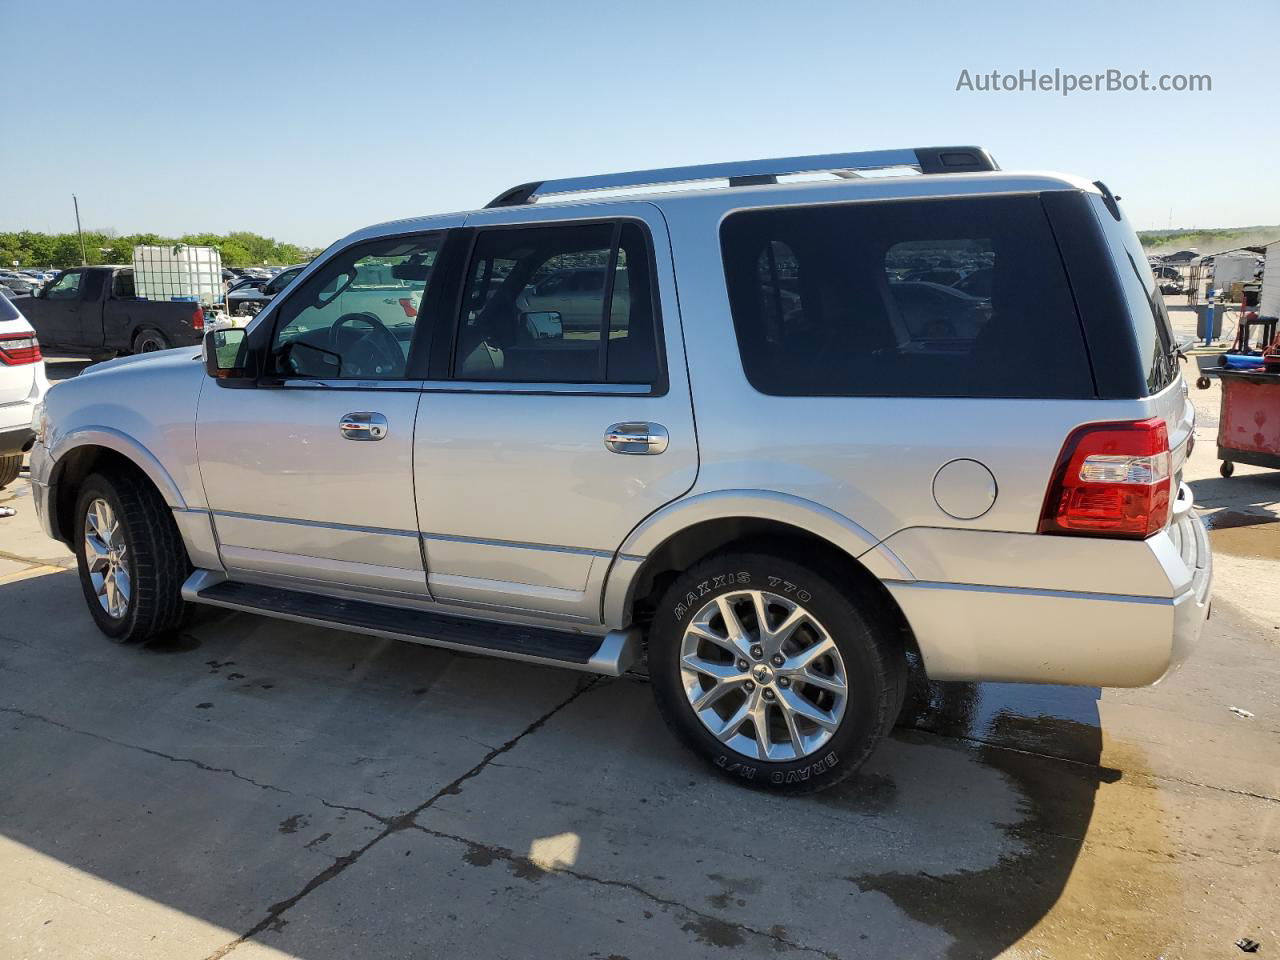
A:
[746, 457]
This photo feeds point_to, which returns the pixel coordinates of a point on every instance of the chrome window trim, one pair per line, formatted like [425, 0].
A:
[520, 387]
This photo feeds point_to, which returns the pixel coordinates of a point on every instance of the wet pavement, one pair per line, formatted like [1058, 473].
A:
[257, 789]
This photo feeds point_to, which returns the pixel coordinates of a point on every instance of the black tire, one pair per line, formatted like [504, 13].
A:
[1202, 383]
[10, 467]
[875, 668]
[150, 341]
[156, 558]
[1226, 468]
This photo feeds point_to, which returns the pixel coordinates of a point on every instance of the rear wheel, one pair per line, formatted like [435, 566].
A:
[771, 674]
[10, 467]
[149, 341]
[1226, 468]
[131, 558]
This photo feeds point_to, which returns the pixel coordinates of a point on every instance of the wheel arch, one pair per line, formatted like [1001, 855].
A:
[673, 539]
[92, 451]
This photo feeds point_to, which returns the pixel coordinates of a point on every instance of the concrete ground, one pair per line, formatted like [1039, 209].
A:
[258, 789]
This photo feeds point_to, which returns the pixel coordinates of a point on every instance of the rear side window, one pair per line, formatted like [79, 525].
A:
[927, 298]
[569, 304]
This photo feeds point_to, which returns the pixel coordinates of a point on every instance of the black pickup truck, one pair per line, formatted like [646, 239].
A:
[93, 310]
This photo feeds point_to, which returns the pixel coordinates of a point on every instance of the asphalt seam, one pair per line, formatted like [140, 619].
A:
[510, 857]
[392, 826]
[1132, 776]
[65, 563]
[28, 715]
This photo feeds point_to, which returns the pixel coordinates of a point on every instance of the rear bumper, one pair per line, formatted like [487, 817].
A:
[1036, 635]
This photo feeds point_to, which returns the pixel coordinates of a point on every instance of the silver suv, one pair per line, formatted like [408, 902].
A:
[769, 471]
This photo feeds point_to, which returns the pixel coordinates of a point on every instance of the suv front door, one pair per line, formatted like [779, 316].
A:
[522, 497]
[309, 476]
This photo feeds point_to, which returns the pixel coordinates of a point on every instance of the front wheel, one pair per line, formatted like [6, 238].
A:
[772, 674]
[131, 558]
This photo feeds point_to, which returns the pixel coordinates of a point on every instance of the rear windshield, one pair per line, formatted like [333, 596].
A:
[1145, 304]
[922, 298]
[7, 310]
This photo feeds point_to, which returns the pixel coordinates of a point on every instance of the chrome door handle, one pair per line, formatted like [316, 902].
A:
[636, 437]
[363, 426]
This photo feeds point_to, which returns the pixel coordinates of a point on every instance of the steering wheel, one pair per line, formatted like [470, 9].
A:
[372, 352]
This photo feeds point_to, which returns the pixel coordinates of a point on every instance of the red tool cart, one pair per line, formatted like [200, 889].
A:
[1249, 423]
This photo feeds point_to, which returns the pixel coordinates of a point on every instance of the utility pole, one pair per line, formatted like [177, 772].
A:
[83, 260]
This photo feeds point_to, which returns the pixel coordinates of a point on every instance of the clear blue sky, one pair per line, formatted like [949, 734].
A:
[305, 120]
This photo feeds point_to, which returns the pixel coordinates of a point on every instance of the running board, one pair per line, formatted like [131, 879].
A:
[613, 654]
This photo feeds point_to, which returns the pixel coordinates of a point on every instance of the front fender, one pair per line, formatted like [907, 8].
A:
[794, 511]
[121, 443]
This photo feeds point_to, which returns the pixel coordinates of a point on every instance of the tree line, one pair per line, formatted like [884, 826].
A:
[62, 250]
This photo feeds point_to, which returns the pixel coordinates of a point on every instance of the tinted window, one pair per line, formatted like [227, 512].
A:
[7, 310]
[355, 317]
[541, 306]
[1146, 309]
[853, 300]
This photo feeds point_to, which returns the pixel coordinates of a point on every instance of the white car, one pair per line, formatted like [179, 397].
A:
[22, 386]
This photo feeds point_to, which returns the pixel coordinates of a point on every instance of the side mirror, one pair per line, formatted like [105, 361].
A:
[227, 356]
[543, 324]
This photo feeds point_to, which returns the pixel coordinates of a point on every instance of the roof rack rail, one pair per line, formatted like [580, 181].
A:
[743, 173]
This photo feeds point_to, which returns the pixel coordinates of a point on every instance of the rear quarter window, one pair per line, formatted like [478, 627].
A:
[1147, 313]
[7, 310]
[924, 298]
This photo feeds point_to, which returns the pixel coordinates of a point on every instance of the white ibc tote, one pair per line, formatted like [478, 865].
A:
[178, 272]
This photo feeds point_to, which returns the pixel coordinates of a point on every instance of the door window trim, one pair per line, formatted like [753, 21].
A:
[405, 383]
[442, 378]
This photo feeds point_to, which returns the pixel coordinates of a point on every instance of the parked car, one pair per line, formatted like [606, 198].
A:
[21, 286]
[251, 294]
[773, 504]
[93, 310]
[22, 386]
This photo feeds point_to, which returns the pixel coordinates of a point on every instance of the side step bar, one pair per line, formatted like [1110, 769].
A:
[613, 654]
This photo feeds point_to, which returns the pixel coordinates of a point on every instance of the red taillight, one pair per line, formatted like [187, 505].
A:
[19, 348]
[407, 306]
[197, 320]
[1112, 480]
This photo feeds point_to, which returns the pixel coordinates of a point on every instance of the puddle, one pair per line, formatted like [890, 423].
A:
[1052, 720]
[1244, 534]
[1230, 519]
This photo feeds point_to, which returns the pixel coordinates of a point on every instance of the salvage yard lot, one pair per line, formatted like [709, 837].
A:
[256, 788]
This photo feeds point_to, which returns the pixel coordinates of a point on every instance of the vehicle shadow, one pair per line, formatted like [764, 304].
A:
[256, 775]
[64, 368]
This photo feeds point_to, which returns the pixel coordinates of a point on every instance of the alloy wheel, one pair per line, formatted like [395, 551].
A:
[763, 675]
[105, 554]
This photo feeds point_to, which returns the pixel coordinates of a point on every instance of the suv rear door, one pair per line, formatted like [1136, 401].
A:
[522, 499]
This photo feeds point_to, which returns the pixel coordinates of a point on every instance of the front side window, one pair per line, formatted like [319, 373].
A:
[558, 305]
[958, 298]
[66, 287]
[356, 316]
